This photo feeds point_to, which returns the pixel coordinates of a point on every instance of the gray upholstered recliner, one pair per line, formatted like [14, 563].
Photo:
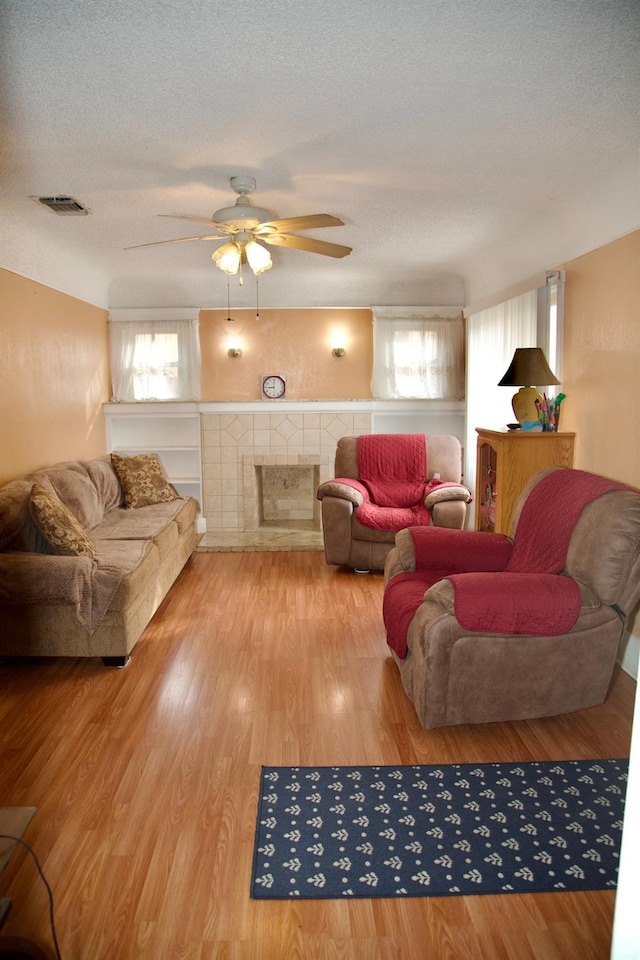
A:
[484, 627]
[350, 542]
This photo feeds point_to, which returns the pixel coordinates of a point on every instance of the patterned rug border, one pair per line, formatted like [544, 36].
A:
[334, 832]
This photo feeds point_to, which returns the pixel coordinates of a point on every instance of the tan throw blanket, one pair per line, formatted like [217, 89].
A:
[87, 585]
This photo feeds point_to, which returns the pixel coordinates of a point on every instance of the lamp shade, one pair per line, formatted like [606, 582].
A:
[258, 257]
[528, 368]
[227, 258]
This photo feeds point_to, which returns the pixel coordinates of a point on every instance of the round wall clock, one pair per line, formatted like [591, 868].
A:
[273, 387]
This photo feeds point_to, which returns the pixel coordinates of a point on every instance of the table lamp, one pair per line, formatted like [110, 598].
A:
[529, 366]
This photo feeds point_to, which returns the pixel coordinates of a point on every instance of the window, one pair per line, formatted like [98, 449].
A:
[418, 354]
[155, 360]
[551, 323]
[529, 320]
[155, 366]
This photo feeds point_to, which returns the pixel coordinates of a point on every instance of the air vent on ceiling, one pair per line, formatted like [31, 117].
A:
[64, 206]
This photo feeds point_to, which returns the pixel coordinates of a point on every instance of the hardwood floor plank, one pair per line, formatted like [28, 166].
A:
[146, 779]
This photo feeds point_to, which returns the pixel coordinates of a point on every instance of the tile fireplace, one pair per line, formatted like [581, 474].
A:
[284, 452]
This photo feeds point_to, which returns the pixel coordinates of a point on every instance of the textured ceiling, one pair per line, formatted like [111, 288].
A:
[466, 145]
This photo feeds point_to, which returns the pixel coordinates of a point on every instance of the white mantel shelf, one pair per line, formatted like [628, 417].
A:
[290, 406]
[156, 407]
[331, 406]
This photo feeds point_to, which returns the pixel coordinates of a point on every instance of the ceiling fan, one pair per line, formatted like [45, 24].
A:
[246, 228]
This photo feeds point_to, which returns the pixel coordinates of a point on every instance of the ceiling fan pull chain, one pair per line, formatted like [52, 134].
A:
[229, 317]
[257, 301]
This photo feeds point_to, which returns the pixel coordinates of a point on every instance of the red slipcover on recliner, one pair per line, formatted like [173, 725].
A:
[383, 483]
[483, 627]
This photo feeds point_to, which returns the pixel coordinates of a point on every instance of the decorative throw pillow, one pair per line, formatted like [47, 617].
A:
[143, 480]
[58, 525]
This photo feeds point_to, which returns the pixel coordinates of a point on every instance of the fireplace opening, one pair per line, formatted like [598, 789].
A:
[282, 495]
[288, 496]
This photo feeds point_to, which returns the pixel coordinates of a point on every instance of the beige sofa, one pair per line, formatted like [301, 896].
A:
[54, 605]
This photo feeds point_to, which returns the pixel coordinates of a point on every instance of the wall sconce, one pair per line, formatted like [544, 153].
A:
[235, 350]
[337, 344]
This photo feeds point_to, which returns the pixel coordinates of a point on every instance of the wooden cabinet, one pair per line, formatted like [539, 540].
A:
[506, 460]
[172, 430]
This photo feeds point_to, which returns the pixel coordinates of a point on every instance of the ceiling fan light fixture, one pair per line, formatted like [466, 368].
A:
[258, 257]
[227, 258]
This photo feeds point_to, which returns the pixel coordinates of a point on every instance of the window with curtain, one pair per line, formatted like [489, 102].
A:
[418, 354]
[551, 323]
[492, 337]
[155, 360]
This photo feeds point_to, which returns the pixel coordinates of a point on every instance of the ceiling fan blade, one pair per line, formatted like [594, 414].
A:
[158, 243]
[209, 223]
[308, 244]
[298, 223]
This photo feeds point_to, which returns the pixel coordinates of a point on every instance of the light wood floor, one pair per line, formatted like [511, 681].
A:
[146, 779]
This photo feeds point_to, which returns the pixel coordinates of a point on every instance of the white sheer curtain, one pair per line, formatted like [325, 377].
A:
[492, 337]
[155, 360]
[418, 354]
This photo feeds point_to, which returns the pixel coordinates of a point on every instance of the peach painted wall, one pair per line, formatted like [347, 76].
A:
[54, 376]
[296, 343]
[601, 372]
[601, 369]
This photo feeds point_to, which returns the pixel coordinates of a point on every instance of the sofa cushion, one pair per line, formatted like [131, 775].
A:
[105, 480]
[162, 523]
[74, 488]
[137, 562]
[58, 525]
[143, 480]
[143, 524]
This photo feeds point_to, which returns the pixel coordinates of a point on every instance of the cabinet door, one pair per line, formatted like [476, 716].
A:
[486, 488]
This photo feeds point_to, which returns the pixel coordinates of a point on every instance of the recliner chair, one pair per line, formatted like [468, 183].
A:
[486, 628]
[384, 482]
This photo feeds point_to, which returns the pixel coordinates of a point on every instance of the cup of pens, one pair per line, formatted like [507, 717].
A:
[549, 412]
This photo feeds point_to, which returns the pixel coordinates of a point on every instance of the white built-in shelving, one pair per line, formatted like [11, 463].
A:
[170, 429]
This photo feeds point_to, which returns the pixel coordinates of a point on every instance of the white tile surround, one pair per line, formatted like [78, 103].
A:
[238, 442]
[239, 437]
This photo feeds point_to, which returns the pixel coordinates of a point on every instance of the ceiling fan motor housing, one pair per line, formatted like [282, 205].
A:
[242, 215]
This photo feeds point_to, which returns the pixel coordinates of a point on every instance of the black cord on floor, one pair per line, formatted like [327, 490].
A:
[8, 836]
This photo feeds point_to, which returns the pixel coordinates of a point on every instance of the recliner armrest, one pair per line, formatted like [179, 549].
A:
[345, 489]
[449, 513]
[452, 551]
[533, 604]
[447, 491]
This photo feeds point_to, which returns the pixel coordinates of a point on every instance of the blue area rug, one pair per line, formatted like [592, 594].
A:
[416, 831]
